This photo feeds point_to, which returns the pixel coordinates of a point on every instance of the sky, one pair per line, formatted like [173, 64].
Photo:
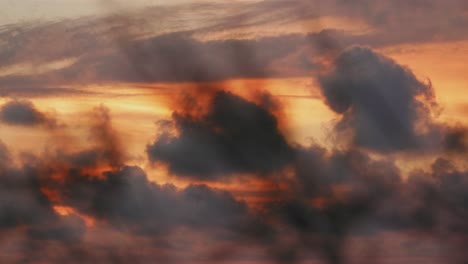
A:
[243, 132]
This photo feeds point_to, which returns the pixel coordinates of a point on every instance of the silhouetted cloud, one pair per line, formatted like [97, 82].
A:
[456, 139]
[318, 171]
[24, 113]
[384, 107]
[24, 205]
[129, 201]
[234, 136]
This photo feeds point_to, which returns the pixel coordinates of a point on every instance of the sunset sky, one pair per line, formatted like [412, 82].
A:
[275, 131]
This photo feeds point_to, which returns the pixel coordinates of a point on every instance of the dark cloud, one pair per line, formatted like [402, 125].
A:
[234, 136]
[129, 201]
[24, 113]
[332, 197]
[178, 57]
[450, 193]
[166, 57]
[5, 158]
[22, 201]
[105, 136]
[64, 228]
[456, 139]
[23, 204]
[334, 193]
[383, 105]
[323, 230]
[121, 56]
[348, 187]
[96, 183]
[122, 200]
[373, 198]
[318, 171]
[431, 202]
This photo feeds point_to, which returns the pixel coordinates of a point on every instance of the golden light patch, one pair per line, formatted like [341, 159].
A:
[66, 211]
[63, 210]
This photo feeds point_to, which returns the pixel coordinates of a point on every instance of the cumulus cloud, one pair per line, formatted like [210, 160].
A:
[24, 113]
[384, 107]
[233, 136]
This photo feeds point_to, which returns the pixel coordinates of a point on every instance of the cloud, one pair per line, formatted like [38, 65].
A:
[24, 113]
[5, 156]
[344, 180]
[344, 196]
[233, 136]
[318, 171]
[383, 105]
[96, 183]
[92, 186]
[127, 200]
[432, 202]
[24, 205]
[339, 194]
[329, 197]
[389, 22]
[178, 57]
[105, 136]
[157, 45]
[456, 139]
[373, 197]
